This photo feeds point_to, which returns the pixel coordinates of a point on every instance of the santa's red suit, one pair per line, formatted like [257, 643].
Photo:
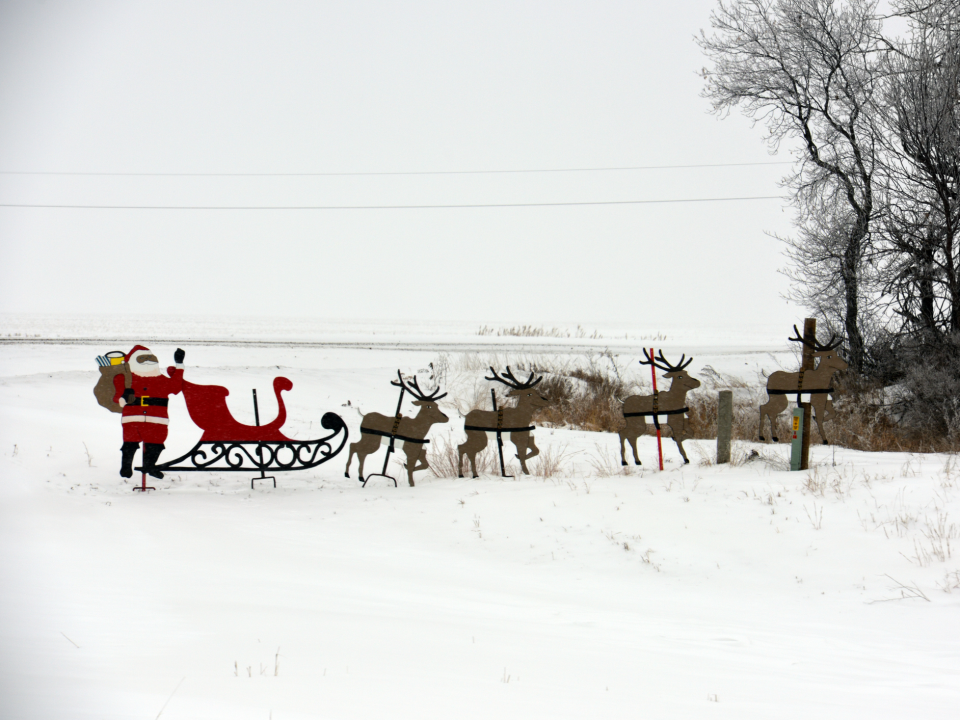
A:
[145, 418]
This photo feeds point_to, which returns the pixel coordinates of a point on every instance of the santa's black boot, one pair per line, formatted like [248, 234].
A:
[127, 451]
[151, 452]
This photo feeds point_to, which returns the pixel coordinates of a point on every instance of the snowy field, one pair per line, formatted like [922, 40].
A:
[740, 591]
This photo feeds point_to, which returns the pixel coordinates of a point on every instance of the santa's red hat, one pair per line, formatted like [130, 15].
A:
[136, 348]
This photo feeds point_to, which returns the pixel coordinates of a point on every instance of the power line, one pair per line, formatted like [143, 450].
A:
[385, 207]
[421, 172]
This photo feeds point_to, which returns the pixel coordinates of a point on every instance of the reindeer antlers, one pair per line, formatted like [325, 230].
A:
[510, 381]
[666, 366]
[816, 346]
[415, 390]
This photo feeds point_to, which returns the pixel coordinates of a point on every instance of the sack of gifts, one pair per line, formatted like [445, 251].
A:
[111, 364]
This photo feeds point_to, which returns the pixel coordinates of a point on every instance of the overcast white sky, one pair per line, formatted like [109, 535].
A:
[324, 87]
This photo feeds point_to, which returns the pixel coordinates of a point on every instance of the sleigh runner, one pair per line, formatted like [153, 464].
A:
[262, 455]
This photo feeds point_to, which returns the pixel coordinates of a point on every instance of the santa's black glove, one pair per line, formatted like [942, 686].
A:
[128, 395]
[178, 356]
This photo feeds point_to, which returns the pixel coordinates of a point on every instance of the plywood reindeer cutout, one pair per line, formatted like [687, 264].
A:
[514, 420]
[407, 432]
[667, 407]
[812, 383]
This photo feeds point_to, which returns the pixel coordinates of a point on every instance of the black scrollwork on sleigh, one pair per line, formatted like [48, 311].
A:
[230, 446]
[247, 455]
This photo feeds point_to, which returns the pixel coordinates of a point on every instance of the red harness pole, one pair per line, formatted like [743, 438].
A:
[656, 421]
[143, 476]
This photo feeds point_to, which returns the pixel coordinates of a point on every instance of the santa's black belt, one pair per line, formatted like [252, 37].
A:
[156, 402]
[503, 430]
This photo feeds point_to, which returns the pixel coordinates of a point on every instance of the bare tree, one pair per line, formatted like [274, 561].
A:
[808, 70]
[921, 172]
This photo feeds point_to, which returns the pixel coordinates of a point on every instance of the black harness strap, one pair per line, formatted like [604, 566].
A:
[381, 433]
[801, 390]
[499, 429]
[798, 391]
[657, 412]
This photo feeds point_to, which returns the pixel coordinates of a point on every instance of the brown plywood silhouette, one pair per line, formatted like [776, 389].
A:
[816, 383]
[513, 420]
[666, 408]
[377, 429]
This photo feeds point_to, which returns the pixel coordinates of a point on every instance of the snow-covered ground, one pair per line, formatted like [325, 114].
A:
[740, 591]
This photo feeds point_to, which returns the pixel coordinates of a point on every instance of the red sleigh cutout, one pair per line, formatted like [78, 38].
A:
[230, 446]
[207, 405]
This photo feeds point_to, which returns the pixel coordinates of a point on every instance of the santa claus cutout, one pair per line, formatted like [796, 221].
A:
[144, 417]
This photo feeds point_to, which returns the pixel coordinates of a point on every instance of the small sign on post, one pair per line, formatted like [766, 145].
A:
[796, 443]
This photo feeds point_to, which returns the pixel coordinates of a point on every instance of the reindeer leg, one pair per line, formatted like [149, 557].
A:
[411, 465]
[470, 449]
[828, 414]
[353, 450]
[774, 406]
[476, 442]
[768, 411]
[521, 442]
[820, 415]
[419, 464]
[361, 457]
[421, 461]
[628, 435]
[679, 435]
[637, 430]
[532, 446]
[631, 431]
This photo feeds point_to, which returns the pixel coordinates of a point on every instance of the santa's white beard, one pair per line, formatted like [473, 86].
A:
[150, 369]
[147, 369]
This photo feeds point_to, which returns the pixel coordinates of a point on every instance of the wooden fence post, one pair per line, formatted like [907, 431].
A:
[724, 425]
[806, 363]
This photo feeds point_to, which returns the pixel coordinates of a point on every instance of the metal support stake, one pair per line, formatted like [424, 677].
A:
[503, 471]
[143, 475]
[656, 419]
[386, 460]
[256, 418]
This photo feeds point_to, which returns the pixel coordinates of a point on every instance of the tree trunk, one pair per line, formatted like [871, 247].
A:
[851, 320]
